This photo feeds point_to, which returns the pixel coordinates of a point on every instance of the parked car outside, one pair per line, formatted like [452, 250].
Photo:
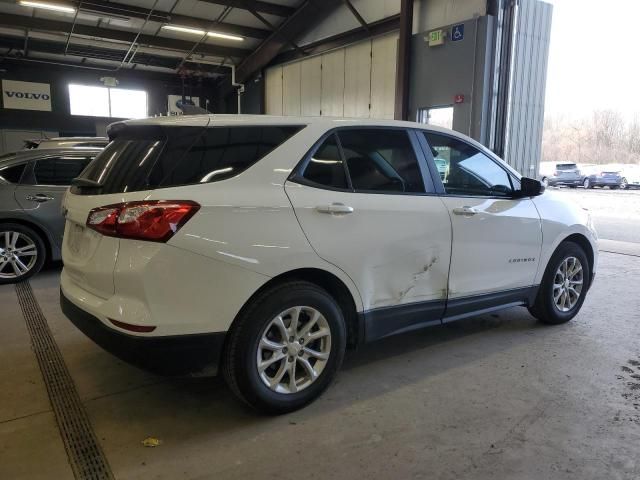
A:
[567, 174]
[630, 177]
[262, 246]
[32, 184]
[611, 179]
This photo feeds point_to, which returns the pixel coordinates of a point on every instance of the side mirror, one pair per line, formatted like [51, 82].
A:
[530, 188]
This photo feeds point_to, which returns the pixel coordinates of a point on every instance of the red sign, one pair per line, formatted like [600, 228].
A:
[459, 98]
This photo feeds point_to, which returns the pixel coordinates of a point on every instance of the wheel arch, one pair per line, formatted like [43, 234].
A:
[36, 228]
[585, 244]
[329, 282]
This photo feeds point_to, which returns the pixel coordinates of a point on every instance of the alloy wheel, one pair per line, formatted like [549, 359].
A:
[18, 254]
[294, 349]
[624, 184]
[567, 284]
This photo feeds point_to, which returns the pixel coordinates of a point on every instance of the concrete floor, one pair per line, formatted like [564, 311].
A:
[499, 396]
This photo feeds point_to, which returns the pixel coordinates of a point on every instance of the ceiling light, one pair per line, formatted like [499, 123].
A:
[178, 28]
[225, 36]
[48, 6]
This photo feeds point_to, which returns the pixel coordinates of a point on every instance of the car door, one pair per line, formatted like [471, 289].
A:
[367, 205]
[496, 237]
[43, 186]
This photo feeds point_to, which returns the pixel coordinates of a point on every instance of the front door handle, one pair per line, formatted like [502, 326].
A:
[466, 211]
[335, 208]
[39, 197]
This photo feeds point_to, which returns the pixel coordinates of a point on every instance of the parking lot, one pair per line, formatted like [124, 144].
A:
[616, 213]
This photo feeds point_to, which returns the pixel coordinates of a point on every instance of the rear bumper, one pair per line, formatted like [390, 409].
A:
[166, 355]
[565, 181]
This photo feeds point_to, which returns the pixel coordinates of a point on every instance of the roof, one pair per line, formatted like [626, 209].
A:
[233, 119]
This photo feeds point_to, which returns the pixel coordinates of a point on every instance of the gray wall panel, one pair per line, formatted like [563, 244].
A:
[529, 76]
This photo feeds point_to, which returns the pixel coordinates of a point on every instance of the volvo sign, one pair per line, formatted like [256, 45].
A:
[26, 95]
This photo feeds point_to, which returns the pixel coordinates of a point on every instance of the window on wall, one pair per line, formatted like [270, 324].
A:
[107, 102]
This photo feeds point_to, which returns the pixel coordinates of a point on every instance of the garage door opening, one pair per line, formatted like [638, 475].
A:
[438, 116]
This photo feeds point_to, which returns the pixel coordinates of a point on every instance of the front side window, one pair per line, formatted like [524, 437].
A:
[59, 170]
[326, 167]
[12, 174]
[381, 160]
[465, 170]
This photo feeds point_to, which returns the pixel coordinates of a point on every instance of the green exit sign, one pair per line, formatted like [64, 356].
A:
[435, 37]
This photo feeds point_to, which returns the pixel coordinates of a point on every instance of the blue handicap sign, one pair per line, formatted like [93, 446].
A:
[457, 32]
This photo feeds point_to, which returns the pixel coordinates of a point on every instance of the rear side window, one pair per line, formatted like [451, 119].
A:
[147, 157]
[58, 170]
[326, 167]
[12, 174]
[220, 153]
[381, 160]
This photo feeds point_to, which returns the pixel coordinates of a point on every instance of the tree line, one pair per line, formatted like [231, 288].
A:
[604, 137]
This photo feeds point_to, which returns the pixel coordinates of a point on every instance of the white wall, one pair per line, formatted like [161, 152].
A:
[355, 81]
[431, 14]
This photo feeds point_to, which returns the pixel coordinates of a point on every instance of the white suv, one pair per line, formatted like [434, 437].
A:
[266, 245]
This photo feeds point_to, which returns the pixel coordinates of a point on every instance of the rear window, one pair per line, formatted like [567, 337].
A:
[566, 166]
[142, 158]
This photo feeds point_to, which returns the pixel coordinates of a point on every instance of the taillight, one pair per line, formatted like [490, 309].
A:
[154, 220]
[556, 173]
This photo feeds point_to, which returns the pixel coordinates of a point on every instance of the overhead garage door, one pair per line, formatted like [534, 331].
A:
[355, 81]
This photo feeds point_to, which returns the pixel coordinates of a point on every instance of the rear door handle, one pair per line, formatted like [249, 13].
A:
[336, 208]
[39, 197]
[466, 211]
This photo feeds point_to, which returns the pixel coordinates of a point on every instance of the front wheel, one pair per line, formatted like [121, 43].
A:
[22, 253]
[564, 285]
[587, 183]
[624, 184]
[285, 348]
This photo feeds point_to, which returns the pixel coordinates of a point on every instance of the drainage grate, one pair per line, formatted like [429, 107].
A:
[85, 455]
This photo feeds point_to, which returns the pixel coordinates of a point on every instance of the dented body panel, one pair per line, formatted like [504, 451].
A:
[396, 248]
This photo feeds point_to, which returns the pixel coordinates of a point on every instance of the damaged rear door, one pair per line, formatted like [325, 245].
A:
[367, 206]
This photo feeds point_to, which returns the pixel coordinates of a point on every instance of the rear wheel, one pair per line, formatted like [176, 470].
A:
[285, 348]
[624, 184]
[22, 253]
[564, 285]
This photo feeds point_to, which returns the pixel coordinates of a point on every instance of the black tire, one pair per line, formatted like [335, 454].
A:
[586, 183]
[544, 308]
[40, 249]
[241, 350]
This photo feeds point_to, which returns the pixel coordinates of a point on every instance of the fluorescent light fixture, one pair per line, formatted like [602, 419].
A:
[178, 28]
[48, 6]
[226, 36]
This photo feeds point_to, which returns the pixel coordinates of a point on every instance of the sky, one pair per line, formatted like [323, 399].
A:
[594, 58]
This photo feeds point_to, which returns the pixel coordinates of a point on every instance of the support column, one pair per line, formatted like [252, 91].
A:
[402, 72]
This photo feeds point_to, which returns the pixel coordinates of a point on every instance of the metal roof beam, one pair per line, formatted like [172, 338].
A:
[123, 10]
[258, 6]
[41, 24]
[309, 14]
